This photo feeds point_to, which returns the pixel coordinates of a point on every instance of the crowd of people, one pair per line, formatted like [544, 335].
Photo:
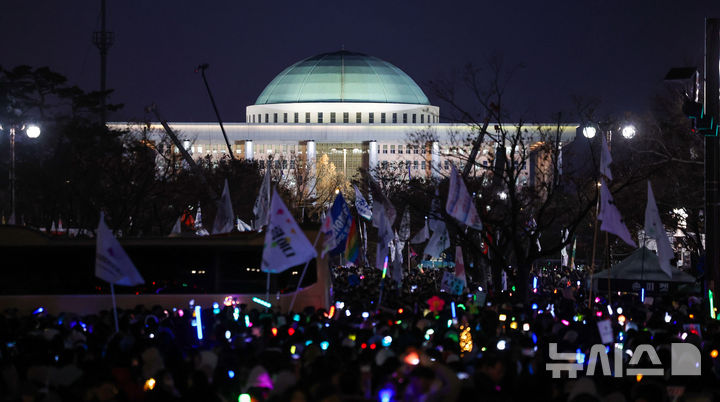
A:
[417, 343]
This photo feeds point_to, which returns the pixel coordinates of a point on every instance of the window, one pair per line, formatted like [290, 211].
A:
[422, 165]
[422, 118]
[346, 117]
[447, 164]
[274, 117]
[284, 117]
[267, 118]
[358, 117]
[371, 117]
[384, 148]
[307, 117]
[415, 165]
[320, 117]
[400, 149]
[405, 118]
[382, 118]
[259, 118]
[277, 163]
[392, 149]
[332, 117]
[292, 163]
[284, 163]
[253, 118]
[414, 118]
[394, 118]
[416, 150]
[296, 117]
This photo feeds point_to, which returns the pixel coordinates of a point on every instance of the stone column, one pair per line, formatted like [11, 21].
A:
[372, 156]
[435, 159]
[249, 150]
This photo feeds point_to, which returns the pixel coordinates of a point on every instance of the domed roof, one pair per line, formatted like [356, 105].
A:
[342, 77]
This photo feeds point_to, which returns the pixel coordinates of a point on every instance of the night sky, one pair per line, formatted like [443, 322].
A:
[615, 50]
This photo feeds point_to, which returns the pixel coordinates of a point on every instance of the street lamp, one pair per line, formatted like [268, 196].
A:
[589, 131]
[32, 131]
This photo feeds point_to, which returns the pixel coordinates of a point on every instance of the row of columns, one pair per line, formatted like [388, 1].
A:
[372, 154]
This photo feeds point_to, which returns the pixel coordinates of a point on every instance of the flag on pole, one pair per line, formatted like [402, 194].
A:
[199, 228]
[404, 230]
[572, 255]
[112, 263]
[605, 160]
[612, 222]
[439, 242]
[655, 229]
[177, 228]
[435, 219]
[242, 226]
[362, 206]
[460, 204]
[224, 218]
[341, 220]
[285, 243]
[460, 265]
[328, 236]
[262, 203]
[352, 247]
[421, 236]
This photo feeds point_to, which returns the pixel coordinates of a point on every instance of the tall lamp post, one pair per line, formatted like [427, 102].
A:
[32, 131]
[628, 132]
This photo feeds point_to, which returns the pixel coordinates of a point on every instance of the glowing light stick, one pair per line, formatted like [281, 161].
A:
[198, 322]
[261, 302]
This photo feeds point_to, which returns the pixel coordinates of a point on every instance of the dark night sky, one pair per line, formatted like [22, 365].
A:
[615, 50]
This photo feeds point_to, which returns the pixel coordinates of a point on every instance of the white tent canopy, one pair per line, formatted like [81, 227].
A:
[643, 265]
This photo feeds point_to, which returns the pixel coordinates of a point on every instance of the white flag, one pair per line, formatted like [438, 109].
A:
[422, 235]
[655, 229]
[112, 263]
[329, 242]
[435, 219]
[605, 160]
[224, 217]
[439, 242]
[242, 226]
[565, 257]
[362, 206]
[460, 265]
[460, 204]
[404, 230]
[285, 243]
[612, 222]
[262, 203]
[177, 228]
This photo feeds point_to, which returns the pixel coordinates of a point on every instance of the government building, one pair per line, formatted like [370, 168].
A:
[360, 111]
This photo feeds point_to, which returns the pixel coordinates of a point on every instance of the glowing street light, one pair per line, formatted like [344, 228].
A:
[628, 131]
[589, 131]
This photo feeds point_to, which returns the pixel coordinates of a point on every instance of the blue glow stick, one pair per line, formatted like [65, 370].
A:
[452, 307]
[198, 322]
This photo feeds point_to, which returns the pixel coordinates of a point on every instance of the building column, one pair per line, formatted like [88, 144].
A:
[311, 152]
[435, 159]
[372, 156]
[249, 150]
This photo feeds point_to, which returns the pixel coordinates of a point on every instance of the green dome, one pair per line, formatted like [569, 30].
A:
[342, 77]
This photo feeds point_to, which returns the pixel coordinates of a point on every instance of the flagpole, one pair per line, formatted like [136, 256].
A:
[302, 276]
[112, 293]
[592, 261]
[382, 282]
[267, 288]
[609, 263]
